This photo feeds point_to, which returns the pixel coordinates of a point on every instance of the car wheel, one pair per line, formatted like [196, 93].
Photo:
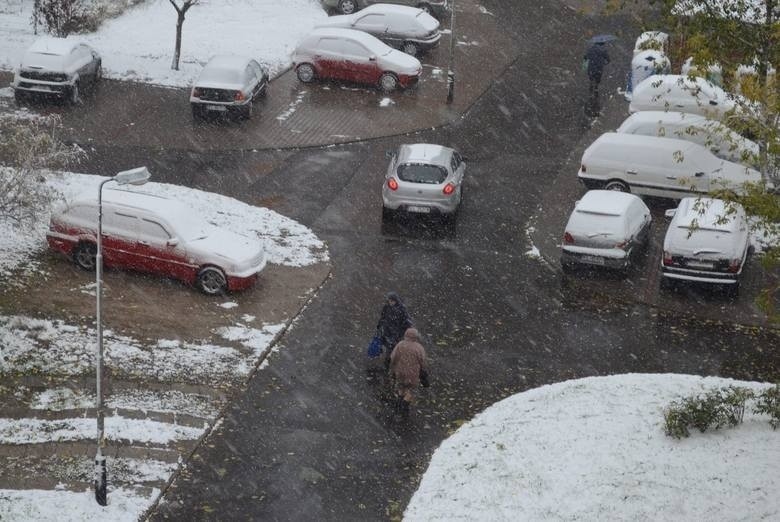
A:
[409, 48]
[732, 291]
[84, 255]
[388, 82]
[617, 185]
[212, 281]
[347, 6]
[74, 97]
[20, 96]
[305, 72]
[197, 113]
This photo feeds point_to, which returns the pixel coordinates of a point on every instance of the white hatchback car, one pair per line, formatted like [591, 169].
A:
[606, 229]
[675, 92]
[708, 241]
[354, 56]
[409, 29]
[228, 84]
[57, 67]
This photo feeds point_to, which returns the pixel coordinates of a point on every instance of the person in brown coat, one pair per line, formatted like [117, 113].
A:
[407, 360]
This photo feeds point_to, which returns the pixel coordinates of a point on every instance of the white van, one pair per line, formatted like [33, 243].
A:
[719, 139]
[661, 167]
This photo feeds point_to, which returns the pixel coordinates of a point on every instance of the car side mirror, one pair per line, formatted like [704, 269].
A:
[713, 102]
[389, 154]
[172, 242]
[699, 174]
[372, 58]
[670, 212]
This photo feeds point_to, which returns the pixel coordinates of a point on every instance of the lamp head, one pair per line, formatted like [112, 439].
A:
[137, 176]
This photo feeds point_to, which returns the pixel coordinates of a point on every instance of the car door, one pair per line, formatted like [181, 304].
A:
[458, 167]
[260, 74]
[120, 239]
[328, 59]
[82, 59]
[162, 254]
[360, 65]
[251, 82]
[372, 23]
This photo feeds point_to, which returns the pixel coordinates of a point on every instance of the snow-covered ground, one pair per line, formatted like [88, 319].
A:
[595, 449]
[56, 349]
[138, 45]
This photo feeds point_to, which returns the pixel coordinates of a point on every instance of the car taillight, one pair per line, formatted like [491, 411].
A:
[583, 168]
[448, 189]
[239, 96]
[568, 238]
[196, 93]
[734, 266]
[392, 184]
[667, 258]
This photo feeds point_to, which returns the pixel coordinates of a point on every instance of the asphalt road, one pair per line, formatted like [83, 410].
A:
[313, 437]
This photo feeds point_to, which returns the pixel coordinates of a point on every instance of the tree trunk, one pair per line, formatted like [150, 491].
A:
[177, 48]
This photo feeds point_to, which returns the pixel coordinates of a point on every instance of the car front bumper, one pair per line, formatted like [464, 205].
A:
[41, 87]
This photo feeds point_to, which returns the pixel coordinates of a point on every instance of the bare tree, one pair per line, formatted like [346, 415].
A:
[27, 148]
[181, 12]
[59, 17]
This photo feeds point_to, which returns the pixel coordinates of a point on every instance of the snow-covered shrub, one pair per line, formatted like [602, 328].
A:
[768, 403]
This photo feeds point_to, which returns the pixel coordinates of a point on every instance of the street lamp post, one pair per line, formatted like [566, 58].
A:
[451, 67]
[137, 176]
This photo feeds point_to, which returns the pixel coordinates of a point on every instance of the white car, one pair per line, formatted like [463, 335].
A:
[57, 67]
[675, 92]
[154, 234]
[354, 56]
[707, 241]
[606, 229]
[228, 84]
[719, 139]
[656, 40]
[409, 29]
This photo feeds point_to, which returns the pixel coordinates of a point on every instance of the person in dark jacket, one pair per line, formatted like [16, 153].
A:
[393, 323]
[596, 57]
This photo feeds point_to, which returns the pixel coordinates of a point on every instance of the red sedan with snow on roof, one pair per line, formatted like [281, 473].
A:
[154, 234]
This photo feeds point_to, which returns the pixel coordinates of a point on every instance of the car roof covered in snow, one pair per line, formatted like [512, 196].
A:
[53, 45]
[708, 214]
[609, 202]
[366, 39]
[228, 61]
[392, 8]
[425, 153]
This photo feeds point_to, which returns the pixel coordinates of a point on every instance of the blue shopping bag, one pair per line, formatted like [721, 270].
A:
[374, 347]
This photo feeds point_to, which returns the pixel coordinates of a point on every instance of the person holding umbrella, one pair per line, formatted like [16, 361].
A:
[596, 57]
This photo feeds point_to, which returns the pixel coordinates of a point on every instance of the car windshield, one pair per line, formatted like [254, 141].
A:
[418, 173]
[221, 75]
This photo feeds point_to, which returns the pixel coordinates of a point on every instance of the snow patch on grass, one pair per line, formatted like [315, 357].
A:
[124, 505]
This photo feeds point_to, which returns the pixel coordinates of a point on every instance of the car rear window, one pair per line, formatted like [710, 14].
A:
[417, 173]
[222, 75]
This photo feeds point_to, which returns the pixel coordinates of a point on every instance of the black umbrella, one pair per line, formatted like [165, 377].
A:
[602, 38]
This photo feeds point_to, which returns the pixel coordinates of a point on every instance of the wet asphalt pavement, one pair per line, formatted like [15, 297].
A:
[313, 436]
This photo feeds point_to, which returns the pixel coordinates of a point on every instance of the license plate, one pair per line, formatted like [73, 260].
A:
[221, 108]
[592, 260]
[420, 210]
[697, 264]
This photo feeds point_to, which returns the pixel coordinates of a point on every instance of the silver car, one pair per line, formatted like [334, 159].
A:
[423, 179]
[406, 28]
[437, 8]
[228, 84]
[57, 67]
